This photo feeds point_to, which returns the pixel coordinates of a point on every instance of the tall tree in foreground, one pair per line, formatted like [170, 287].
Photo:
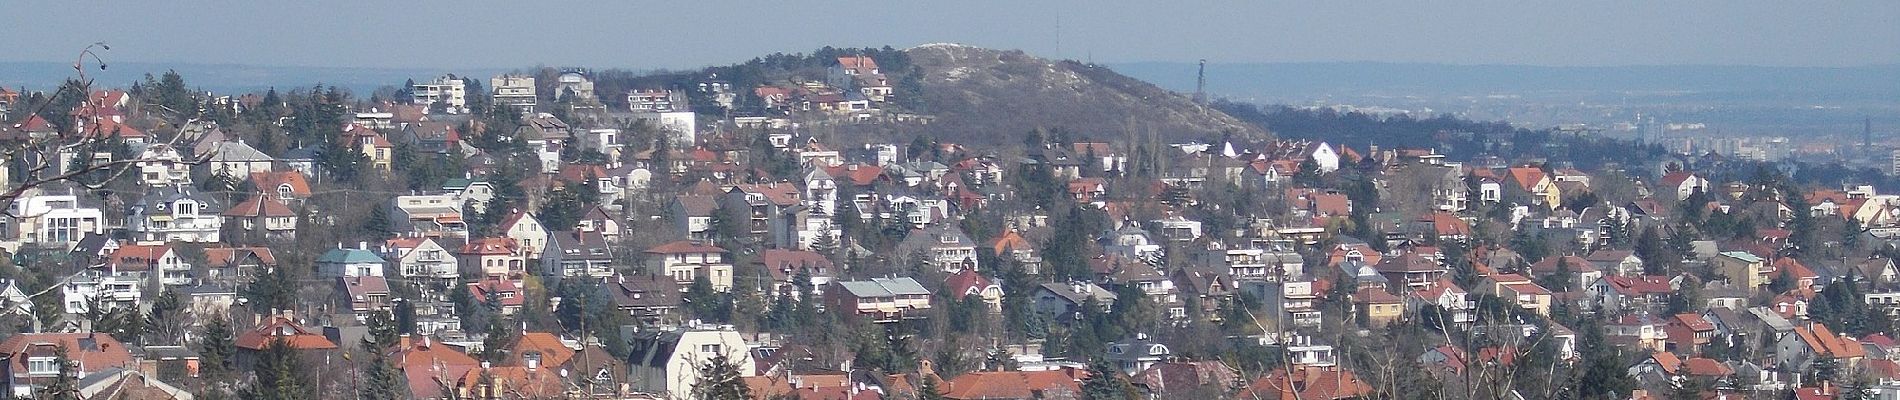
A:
[216, 349]
[279, 373]
[719, 380]
[65, 385]
[1106, 383]
[381, 380]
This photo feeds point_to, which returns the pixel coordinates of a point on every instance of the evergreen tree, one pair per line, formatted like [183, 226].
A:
[216, 349]
[930, 390]
[1106, 383]
[166, 320]
[719, 379]
[279, 374]
[65, 384]
[382, 329]
[381, 380]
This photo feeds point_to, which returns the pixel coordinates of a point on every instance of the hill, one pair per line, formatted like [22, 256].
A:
[991, 95]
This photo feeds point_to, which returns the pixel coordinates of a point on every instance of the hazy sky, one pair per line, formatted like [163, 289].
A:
[655, 34]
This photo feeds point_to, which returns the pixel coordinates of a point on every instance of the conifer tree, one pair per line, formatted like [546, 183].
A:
[719, 379]
[65, 385]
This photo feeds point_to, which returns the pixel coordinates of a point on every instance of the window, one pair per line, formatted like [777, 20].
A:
[42, 365]
[709, 348]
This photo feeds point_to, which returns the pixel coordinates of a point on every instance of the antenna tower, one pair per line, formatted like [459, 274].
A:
[1200, 83]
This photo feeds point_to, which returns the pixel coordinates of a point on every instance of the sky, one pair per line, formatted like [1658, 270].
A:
[682, 34]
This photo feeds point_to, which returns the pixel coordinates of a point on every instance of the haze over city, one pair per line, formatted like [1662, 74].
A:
[501, 34]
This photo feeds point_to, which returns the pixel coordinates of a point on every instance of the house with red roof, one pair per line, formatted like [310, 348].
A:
[1535, 185]
[1453, 360]
[1016, 385]
[287, 187]
[430, 367]
[527, 232]
[31, 358]
[1682, 184]
[280, 328]
[784, 266]
[1631, 293]
[499, 292]
[774, 212]
[1813, 340]
[374, 145]
[492, 256]
[1307, 383]
[362, 295]
[258, 219]
[968, 283]
[1378, 306]
[1443, 294]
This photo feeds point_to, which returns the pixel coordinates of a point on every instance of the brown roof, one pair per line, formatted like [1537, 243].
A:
[1307, 383]
[133, 257]
[1014, 385]
[782, 194]
[268, 182]
[281, 327]
[553, 352]
[490, 246]
[93, 351]
[257, 206]
[422, 360]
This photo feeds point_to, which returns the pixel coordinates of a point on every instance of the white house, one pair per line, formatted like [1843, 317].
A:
[421, 258]
[667, 363]
[449, 90]
[175, 214]
[47, 219]
[162, 165]
[341, 262]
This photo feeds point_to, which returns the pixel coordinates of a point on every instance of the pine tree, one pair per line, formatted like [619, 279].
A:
[216, 349]
[719, 379]
[930, 390]
[382, 328]
[166, 319]
[1106, 383]
[65, 385]
[279, 373]
[381, 380]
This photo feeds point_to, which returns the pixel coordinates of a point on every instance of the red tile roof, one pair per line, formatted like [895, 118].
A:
[282, 327]
[966, 282]
[133, 257]
[491, 246]
[1015, 385]
[92, 351]
[268, 182]
[1307, 383]
[257, 206]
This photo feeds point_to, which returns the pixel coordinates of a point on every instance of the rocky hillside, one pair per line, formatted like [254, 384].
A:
[985, 95]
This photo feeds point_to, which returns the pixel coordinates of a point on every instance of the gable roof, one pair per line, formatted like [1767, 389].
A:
[282, 327]
[1014, 385]
[268, 182]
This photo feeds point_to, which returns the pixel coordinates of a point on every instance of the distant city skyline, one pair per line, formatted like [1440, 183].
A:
[642, 35]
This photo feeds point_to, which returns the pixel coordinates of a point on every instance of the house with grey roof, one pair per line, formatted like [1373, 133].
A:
[578, 253]
[881, 299]
[234, 159]
[175, 214]
[1064, 299]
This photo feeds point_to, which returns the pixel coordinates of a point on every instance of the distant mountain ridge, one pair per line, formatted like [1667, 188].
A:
[1307, 80]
